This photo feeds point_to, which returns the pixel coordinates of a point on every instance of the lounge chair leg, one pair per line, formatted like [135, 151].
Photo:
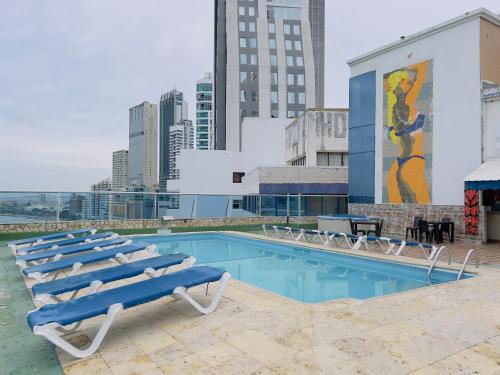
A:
[181, 291]
[49, 332]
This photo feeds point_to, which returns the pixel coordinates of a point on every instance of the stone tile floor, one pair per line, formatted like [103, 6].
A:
[445, 329]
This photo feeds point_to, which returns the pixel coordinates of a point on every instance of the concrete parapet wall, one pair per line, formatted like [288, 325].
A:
[151, 223]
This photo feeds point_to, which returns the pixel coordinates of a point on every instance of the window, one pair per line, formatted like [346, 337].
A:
[251, 27]
[243, 76]
[291, 98]
[238, 177]
[242, 26]
[272, 28]
[274, 60]
[241, 11]
[274, 97]
[290, 80]
[291, 114]
[253, 59]
[237, 204]
[332, 159]
[299, 162]
[253, 76]
[302, 98]
[300, 61]
[286, 29]
[243, 58]
[253, 43]
[274, 78]
[251, 11]
[289, 61]
[300, 79]
[288, 44]
[272, 43]
[243, 96]
[274, 113]
[296, 29]
[243, 42]
[298, 45]
[254, 96]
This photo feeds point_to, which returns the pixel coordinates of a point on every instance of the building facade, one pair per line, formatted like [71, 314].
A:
[181, 138]
[173, 110]
[268, 62]
[204, 112]
[416, 125]
[120, 170]
[318, 138]
[143, 146]
[98, 203]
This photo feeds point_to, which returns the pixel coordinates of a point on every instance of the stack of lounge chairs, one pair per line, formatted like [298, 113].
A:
[54, 261]
[351, 241]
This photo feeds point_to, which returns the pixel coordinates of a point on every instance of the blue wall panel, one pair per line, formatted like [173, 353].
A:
[362, 96]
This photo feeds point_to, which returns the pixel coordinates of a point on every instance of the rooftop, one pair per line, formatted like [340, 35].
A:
[478, 13]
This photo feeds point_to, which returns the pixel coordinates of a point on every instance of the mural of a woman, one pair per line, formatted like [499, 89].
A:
[406, 179]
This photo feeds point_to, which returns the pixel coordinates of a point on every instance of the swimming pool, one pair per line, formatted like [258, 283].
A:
[300, 272]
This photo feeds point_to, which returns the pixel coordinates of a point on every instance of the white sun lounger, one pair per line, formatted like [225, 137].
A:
[118, 254]
[67, 316]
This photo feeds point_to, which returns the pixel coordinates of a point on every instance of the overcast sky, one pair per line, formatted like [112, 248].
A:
[70, 70]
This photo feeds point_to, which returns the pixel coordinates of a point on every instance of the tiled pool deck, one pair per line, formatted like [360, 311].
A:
[445, 329]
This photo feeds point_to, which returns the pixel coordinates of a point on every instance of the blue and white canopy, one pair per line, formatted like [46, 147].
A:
[484, 177]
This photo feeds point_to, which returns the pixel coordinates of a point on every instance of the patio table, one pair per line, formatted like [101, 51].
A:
[437, 230]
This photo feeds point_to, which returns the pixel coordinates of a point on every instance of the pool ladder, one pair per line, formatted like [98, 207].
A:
[462, 268]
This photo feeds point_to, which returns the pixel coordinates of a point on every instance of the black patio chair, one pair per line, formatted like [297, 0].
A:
[354, 228]
[424, 228]
[414, 229]
[445, 227]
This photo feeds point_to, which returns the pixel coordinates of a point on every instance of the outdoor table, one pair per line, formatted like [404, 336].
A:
[437, 229]
[367, 223]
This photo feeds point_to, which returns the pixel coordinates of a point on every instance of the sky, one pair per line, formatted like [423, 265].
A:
[70, 70]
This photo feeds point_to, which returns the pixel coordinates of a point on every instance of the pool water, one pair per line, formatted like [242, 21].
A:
[299, 272]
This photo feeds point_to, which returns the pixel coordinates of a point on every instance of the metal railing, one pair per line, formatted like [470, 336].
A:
[29, 206]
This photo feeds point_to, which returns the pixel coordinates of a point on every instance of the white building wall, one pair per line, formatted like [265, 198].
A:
[492, 128]
[456, 105]
[211, 172]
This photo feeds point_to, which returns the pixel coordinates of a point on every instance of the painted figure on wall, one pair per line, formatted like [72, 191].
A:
[471, 206]
[408, 127]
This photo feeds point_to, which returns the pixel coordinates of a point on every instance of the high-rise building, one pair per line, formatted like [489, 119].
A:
[143, 146]
[173, 109]
[97, 205]
[120, 170]
[181, 138]
[268, 62]
[204, 117]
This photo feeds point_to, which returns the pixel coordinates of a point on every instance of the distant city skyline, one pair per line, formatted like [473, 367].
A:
[70, 73]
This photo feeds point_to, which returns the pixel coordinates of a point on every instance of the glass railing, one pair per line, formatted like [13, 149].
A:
[27, 207]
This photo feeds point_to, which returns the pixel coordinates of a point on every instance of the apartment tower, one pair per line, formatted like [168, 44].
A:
[173, 110]
[120, 170]
[204, 117]
[143, 146]
[268, 62]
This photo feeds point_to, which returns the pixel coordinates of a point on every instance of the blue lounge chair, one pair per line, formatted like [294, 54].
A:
[156, 266]
[288, 232]
[116, 254]
[50, 237]
[68, 315]
[23, 260]
[337, 239]
[67, 242]
[310, 234]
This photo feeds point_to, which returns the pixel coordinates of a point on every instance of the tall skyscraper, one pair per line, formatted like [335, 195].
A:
[204, 117]
[268, 62]
[143, 146]
[181, 138]
[120, 170]
[173, 109]
[97, 204]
